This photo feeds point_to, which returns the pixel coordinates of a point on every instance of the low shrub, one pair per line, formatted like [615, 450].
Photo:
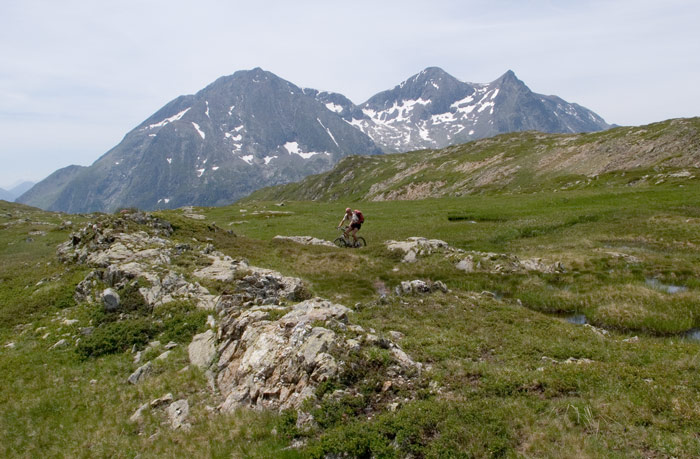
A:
[113, 337]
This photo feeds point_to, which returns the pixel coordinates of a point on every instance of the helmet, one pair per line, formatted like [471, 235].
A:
[348, 210]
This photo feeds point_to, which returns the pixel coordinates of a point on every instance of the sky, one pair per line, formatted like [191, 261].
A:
[77, 75]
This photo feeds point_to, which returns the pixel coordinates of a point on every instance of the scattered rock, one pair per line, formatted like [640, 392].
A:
[396, 335]
[164, 400]
[633, 339]
[569, 361]
[164, 355]
[304, 240]
[141, 373]
[466, 265]
[60, 344]
[137, 417]
[69, 322]
[418, 286]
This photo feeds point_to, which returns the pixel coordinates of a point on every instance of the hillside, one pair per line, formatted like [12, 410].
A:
[519, 162]
[499, 324]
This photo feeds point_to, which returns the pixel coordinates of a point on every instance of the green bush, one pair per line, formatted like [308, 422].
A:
[181, 320]
[115, 337]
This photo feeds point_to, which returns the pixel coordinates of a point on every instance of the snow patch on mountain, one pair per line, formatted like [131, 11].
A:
[334, 107]
[199, 131]
[169, 120]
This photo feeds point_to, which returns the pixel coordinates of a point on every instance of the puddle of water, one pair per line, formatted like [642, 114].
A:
[668, 288]
[692, 334]
[578, 319]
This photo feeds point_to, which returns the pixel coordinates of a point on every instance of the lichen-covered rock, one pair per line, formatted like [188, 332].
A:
[273, 357]
[277, 364]
[202, 349]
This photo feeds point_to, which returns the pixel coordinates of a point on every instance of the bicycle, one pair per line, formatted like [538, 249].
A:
[344, 241]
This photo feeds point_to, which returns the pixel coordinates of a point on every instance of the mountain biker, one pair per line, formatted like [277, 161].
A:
[356, 220]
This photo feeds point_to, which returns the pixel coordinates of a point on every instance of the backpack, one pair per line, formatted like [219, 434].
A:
[360, 217]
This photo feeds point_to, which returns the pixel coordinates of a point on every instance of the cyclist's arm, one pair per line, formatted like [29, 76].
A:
[345, 217]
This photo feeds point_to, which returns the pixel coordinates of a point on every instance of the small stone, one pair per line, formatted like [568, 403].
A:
[141, 373]
[164, 400]
[164, 355]
[59, 344]
[93, 381]
[395, 335]
[170, 345]
[137, 417]
[110, 299]
[178, 412]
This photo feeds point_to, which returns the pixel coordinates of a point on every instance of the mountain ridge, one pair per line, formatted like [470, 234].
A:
[253, 129]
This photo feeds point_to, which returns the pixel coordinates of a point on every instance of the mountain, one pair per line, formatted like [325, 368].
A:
[44, 193]
[253, 129]
[516, 162]
[242, 132]
[17, 190]
[433, 109]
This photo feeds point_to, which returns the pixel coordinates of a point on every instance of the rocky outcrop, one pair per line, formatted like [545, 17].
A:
[274, 345]
[122, 255]
[278, 363]
[414, 247]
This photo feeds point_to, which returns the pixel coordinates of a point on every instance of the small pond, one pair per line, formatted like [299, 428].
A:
[668, 288]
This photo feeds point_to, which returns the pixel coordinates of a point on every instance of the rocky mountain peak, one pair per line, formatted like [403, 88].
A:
[253, 129]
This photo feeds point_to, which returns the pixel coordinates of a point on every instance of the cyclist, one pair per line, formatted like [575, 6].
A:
[356, 220]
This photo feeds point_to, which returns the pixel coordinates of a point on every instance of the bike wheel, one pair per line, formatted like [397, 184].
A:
[340, 242]
[361, 242]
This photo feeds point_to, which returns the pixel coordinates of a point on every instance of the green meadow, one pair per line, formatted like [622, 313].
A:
[511, 375]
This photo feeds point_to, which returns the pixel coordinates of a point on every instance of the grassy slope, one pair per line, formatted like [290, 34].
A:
[518, 163]
[498, 396]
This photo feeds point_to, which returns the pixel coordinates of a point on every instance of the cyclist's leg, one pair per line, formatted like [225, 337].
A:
[353, 233]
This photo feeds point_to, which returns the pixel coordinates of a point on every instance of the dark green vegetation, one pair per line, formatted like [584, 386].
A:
[511, 376]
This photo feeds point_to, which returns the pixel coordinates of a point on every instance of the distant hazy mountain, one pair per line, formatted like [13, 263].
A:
[16, 191]
[253, 129]
[44, 193]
